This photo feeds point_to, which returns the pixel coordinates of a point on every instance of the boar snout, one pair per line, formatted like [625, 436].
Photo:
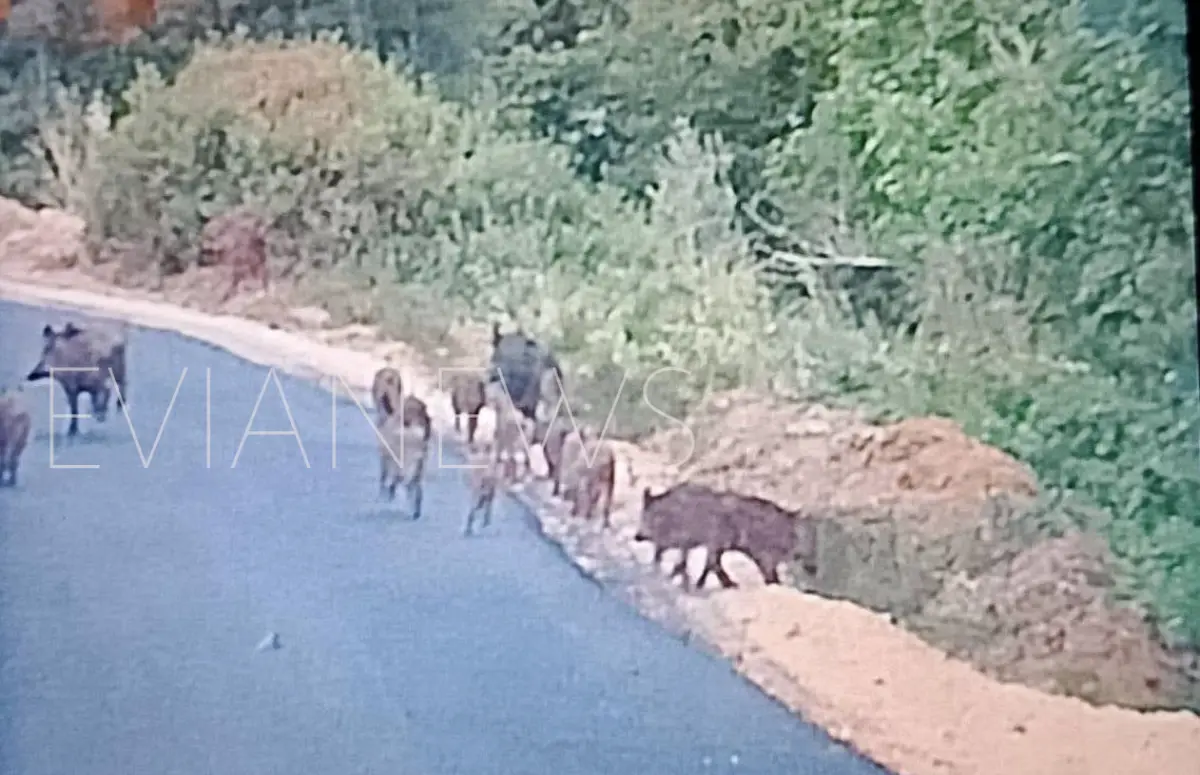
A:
[39, 372]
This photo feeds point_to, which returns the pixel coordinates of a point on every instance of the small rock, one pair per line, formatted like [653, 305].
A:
[270, 642]
[313, 317]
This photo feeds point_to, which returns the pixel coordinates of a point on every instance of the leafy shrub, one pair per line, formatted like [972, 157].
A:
[374, 177]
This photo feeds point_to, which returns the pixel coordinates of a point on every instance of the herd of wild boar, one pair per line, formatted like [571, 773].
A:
[523, 386]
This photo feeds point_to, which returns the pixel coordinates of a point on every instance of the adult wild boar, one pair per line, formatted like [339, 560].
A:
[14, 434]
[97, 353]
[686, 517]
[403, 449]
[520, 362]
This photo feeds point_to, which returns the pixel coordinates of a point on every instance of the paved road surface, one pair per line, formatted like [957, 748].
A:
[132, 598]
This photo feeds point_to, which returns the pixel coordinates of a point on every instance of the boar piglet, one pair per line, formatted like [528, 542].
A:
[95, 357]
[552, 435]
[14, 434]
[386, 390]
[415, 414]
[467, 397]
[513, 431]
[572, 462]
[402, 452]
[485, 481]
[597, 478]
[687, 517]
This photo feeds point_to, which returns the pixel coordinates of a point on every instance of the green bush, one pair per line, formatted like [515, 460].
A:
[377, 181]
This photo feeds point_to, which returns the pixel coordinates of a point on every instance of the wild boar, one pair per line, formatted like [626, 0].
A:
[237, 239]
[467, 397]
[402, 452]
[98, 348]
[572, 464]
[511, 444]
[687, 517]
[552, 436]
[519, 362]
[597, 480]
[14, 434]
[485, 481]
[769, 535]
[386, 390]
[414, 413]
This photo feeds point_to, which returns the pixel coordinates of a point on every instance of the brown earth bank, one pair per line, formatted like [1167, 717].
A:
[1005, 598]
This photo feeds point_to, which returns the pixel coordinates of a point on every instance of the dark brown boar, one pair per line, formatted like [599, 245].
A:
[403, 449]
[387, 388]
[597, 480]
[519, 363]
[99, 351]
[687, 517]
[237, 239]
[769, 535]
[467, 397]
[14, 434]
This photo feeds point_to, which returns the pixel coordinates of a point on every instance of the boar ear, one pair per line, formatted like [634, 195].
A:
[70, 330]
[48, 331]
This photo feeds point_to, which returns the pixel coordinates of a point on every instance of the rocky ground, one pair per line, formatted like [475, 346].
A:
[960, 623]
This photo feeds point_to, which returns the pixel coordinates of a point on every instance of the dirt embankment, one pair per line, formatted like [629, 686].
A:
[931, 529]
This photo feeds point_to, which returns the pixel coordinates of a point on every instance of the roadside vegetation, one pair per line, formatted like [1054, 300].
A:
[982, 211]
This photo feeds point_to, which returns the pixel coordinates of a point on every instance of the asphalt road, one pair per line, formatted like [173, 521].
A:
[132, 598]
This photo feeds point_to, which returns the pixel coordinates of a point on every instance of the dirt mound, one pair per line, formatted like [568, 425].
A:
[945, 534]
[814, 458]
[1046, 618]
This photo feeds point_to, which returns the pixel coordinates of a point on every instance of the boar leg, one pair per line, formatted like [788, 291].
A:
[607, 501]
[680, 568]
[99, 398]
[457, 424]
[487, 510]
[469, 527]
[770, 570]
[415, 497]
[383, 477]
[472, 427]
[116, 372]
[712, 564]
[73, 405]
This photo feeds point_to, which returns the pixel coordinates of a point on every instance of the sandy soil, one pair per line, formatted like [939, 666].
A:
[872, 684]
